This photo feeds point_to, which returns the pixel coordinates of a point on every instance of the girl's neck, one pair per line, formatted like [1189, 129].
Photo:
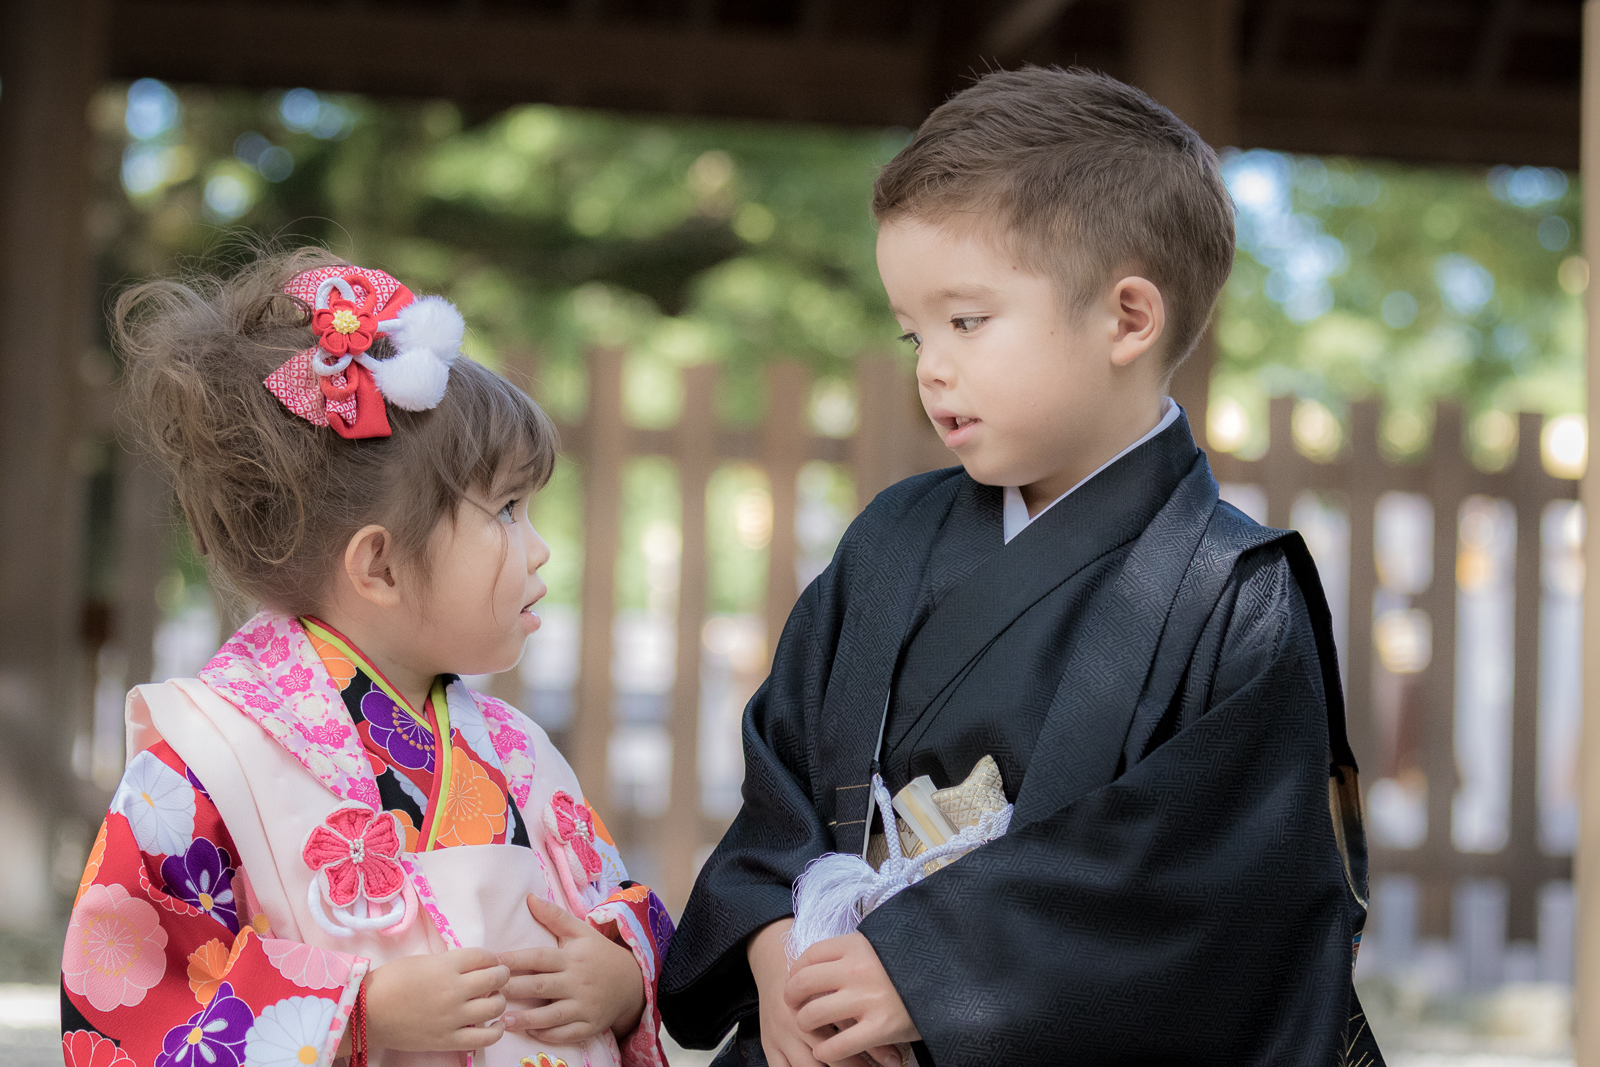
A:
[411, 683]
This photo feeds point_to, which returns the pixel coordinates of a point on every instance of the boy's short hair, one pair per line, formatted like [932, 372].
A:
[1089, 177]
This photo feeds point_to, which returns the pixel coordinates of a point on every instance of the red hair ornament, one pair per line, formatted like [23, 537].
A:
[339, 383]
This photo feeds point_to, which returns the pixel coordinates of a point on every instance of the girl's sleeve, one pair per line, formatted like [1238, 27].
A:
[168, 961]
[634, 915]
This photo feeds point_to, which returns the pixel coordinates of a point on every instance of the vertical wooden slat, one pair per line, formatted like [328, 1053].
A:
[604, 443]
[1586, 1004]
[1363, 470]
[1532, 488]
[783, 442]
[1282, 485]
[1446, 479]
[144, 524]
[878, 444]
[697, 460]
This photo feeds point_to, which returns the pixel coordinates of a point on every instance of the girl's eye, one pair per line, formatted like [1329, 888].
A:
[968, 323]
[912, 339]
[509, 512]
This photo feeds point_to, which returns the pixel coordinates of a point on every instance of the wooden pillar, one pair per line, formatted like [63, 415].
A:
[783, 451]
[50, 58]
[1282, 480]
[878, 446]
[697, 461]
[605, 440]
[1361, 500]
[1184, 53]
[1586, 1003]
[1439, 717]
[1531, 488]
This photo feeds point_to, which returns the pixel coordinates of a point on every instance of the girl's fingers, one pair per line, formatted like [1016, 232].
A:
[557, 986]
[549, 1016]
[535, 959]
[469, 1038]
[475, 984]
[556, 919]
[484, 1010]
[570, 1034]
[471, 959]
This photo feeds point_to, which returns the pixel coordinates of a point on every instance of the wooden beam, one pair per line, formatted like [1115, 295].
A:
[492, 57]
[1020, 25]
[1430, 124]
[1586, 955]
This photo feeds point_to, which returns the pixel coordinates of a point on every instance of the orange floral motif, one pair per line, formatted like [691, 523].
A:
[96, 855]
[600, 830]
[544, 1059]
[341, 670]
[210, 963]
[634, 894]
[412, 837]
[474, 810]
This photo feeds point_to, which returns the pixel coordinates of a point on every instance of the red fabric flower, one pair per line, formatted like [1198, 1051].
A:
[356, 851]
[85, 1048]
[575, 828]
[346, 327]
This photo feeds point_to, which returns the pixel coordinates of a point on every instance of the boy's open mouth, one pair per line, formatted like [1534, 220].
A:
[955, 429]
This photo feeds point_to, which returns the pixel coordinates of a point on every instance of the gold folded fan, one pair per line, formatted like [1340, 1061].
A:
[926, 817]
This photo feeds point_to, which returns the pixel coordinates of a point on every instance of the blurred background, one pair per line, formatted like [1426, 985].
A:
[654, 216]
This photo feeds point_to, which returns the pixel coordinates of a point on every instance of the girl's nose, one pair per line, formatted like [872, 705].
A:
[538, 551]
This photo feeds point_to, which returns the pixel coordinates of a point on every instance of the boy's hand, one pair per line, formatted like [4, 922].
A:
[591, 983]
[781, 1037]
[841, 995]
[450, 1002]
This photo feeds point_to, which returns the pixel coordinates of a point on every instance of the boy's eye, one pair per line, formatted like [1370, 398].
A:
[968, 323]
[912, 339]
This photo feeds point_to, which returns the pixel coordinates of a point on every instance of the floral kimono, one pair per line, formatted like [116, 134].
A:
[286, 823]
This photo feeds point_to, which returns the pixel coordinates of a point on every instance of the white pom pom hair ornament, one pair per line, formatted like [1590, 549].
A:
[427, 338]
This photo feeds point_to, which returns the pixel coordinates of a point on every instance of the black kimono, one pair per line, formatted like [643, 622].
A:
[1184, 880]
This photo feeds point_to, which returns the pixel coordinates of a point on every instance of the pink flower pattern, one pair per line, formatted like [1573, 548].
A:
[297, 680]
[307, 965]
[115, 948]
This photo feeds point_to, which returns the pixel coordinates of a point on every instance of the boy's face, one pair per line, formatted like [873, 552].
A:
[1024, 393]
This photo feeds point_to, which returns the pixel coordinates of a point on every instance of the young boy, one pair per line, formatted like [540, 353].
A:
[1153, 674]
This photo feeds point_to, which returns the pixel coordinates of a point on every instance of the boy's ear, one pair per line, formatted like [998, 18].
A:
[1140, 316]
[368, 566]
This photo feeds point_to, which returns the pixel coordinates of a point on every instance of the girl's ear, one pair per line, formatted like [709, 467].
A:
[1140, 314]
[369, 566]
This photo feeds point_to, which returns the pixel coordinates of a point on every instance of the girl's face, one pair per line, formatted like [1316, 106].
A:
[479, 607]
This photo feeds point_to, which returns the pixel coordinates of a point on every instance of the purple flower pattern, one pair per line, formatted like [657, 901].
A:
[203, 877]
[408, 743]
[661, 928]
[213, 1037]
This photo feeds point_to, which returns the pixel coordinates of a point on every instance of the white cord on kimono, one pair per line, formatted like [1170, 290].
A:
[838, 890]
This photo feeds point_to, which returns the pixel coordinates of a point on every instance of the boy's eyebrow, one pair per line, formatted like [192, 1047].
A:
[964, 292]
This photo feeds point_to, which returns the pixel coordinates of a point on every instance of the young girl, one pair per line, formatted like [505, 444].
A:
[326, 845]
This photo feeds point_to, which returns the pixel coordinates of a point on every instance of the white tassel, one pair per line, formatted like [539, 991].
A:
[836, 891]
[427, 338]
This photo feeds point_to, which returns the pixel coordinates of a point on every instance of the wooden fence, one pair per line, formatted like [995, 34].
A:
[893, 440]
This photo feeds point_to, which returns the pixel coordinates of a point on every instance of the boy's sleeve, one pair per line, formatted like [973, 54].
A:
[1195, 910]
[747, 882]
[167, 960]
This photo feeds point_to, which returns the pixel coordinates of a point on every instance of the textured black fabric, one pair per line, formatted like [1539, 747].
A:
[1171, 890]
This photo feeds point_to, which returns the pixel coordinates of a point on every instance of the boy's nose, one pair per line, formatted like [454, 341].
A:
[932, 370]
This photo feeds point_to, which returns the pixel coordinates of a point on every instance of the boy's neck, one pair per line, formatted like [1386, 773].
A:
[1047, 490]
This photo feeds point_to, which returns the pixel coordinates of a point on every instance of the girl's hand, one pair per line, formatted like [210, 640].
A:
[592, 983]
[841, 995]
[450, 1002]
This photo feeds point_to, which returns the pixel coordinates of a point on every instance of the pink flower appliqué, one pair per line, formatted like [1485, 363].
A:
[574, 827]
[356, 854]
[297, 680]
[115, 948]
[308, 966]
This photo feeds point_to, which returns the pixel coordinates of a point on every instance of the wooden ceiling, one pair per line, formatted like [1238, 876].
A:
[1463, 81]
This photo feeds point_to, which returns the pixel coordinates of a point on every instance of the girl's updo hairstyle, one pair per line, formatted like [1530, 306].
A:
[272, 499]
